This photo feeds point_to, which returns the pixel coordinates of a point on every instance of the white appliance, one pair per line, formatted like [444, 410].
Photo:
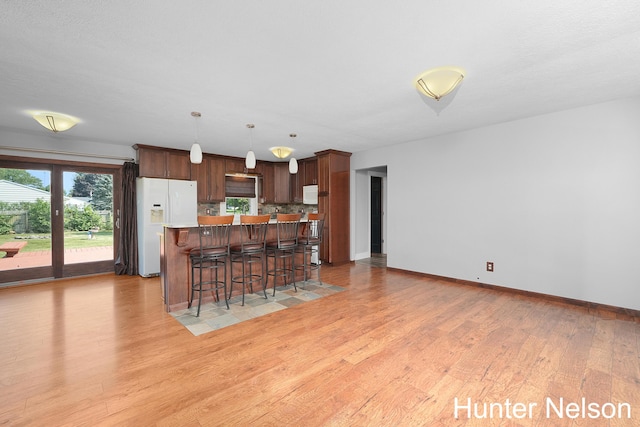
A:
[161, 202]
[310, 194]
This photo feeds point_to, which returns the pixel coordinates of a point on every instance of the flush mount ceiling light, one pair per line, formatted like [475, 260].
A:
[281, 152]
[293, 163]
[195, 154]
[250, 161]
[438, 82]
[55, 122]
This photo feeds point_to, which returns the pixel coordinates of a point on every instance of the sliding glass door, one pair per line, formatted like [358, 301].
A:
[57, 220]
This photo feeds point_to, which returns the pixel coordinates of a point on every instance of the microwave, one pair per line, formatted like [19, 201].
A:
[310, 194]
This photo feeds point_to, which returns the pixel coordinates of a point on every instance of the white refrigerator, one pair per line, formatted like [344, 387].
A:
[161, 202]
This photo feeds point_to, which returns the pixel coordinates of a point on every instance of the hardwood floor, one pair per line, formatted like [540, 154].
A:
[393, 349]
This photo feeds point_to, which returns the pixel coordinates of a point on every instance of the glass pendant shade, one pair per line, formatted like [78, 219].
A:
[250, 161]
[293, 165]
[195, 155]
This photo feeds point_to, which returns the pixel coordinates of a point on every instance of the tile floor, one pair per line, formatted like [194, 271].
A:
[214, 315]
[376, 260]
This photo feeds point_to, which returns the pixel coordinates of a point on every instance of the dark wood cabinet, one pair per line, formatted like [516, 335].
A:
[310, 171]
[307, 175]
[210, 176]
[235, 165]
[324, 169]
[297, 182]
[333, 201]
[157, 162]
[266, 187]
[281, 183]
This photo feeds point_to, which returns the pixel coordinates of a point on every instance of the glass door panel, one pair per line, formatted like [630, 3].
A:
[25, 223]
[88, 217]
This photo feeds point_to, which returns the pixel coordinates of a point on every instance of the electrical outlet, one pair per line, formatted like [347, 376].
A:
[489, 266]
[208, 211]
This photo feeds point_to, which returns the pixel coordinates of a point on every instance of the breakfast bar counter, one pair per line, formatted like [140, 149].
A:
[175, 267]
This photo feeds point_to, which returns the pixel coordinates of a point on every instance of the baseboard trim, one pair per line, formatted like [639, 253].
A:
[620, 312]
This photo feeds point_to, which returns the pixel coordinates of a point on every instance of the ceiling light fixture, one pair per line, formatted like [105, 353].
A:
[293, 163]
[55, 122]
[195, 154]
[438, 82]
[281, 152]
[250, 161]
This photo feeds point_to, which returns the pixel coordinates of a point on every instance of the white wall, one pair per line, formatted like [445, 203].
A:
[553, 201]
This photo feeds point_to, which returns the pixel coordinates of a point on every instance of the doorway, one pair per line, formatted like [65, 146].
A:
[61, 216]
[376, 214]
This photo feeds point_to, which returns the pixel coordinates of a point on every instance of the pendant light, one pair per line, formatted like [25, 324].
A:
[250, 161]
[293, 163]
[195, 155]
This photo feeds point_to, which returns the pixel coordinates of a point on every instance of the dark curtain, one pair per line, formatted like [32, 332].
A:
[127, 259]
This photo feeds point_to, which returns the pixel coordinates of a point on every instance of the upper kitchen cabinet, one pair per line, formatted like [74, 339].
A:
[324, 169]
[235, 165]
[157, 162]
[281, 182]
[310, 171]
[210, 176]
[297, 182]
[266, 192]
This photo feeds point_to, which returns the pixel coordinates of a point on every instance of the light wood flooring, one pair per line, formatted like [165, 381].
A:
[394, 349]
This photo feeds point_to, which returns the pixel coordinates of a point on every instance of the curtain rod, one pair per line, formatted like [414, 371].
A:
[67, 153]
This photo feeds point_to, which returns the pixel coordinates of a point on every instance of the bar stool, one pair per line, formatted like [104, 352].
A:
[214, 233]
[309, 244]
[283, 249]
[250, 250]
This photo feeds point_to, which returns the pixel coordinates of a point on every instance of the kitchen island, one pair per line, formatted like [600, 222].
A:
[175, 268]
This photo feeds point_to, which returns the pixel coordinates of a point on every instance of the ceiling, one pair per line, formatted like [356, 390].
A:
[339, 74]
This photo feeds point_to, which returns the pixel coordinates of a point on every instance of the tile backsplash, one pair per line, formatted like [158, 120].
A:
[263, 208]
[286, 208]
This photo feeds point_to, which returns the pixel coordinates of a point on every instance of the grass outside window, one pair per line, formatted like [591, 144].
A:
[72, 240]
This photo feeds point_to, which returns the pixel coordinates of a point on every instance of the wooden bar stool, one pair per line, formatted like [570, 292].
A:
[214, 233]
[309, 244]
[283, 249]
[250, 251]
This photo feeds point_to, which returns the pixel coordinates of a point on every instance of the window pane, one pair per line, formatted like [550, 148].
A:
[236, 205]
